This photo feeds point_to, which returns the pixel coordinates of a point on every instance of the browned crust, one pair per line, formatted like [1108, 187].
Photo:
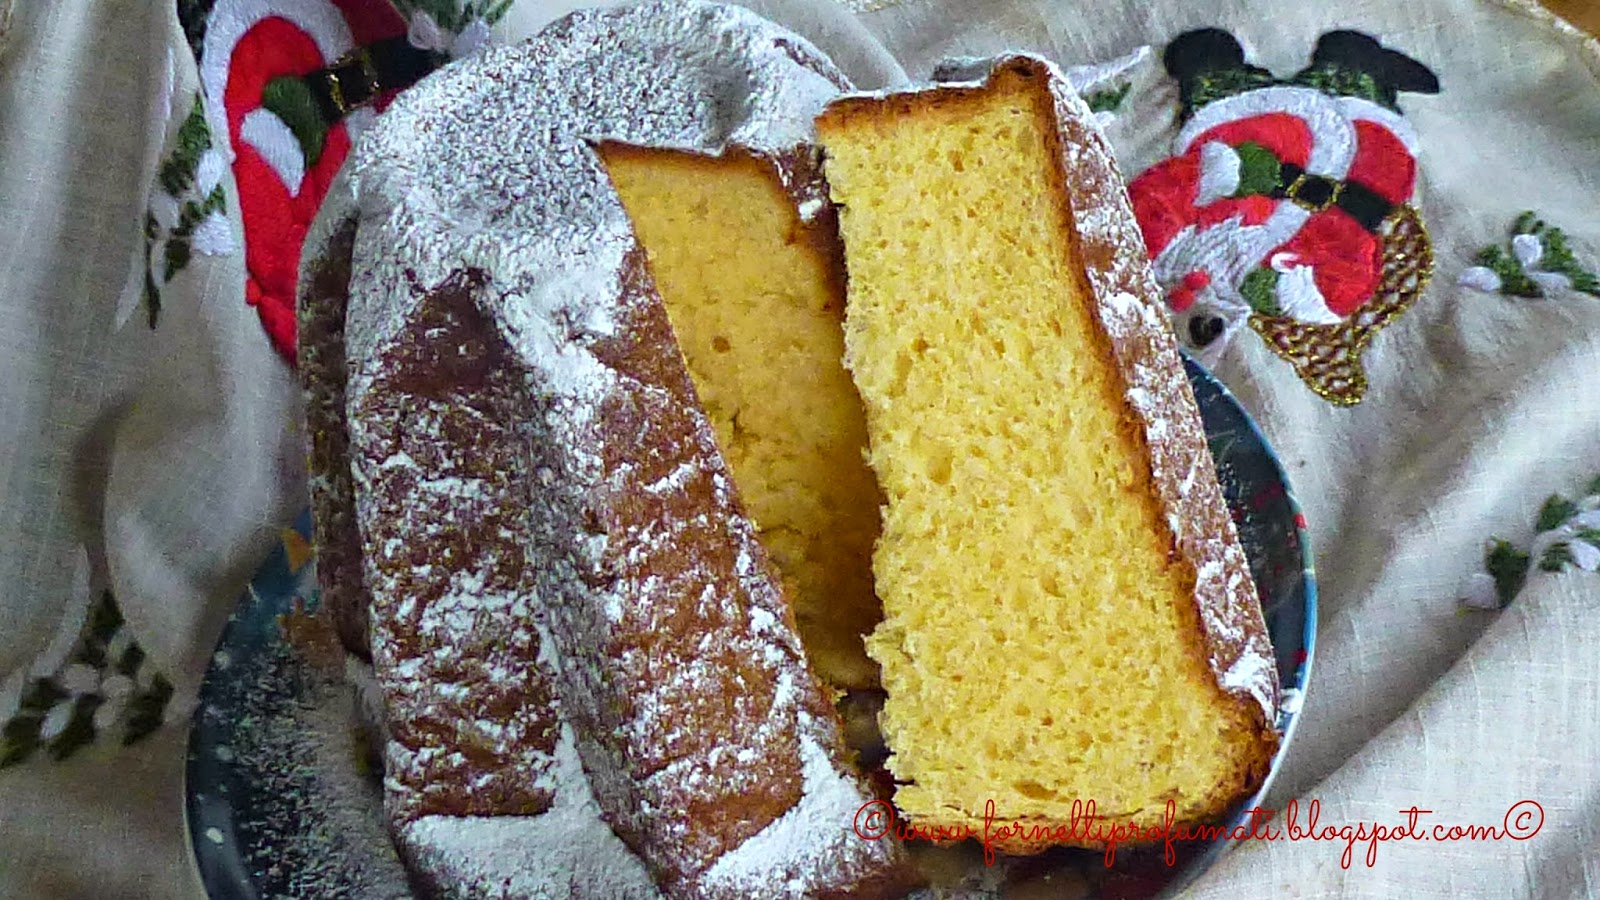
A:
[448, 371]
[651, 426]
[324, 297]
[1228, 629]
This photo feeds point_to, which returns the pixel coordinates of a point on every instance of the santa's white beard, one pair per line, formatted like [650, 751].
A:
[1228, 250]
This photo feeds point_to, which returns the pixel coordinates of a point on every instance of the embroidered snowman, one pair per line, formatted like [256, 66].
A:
[1285, 206]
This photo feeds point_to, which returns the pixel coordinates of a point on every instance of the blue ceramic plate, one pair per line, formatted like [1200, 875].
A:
[283, 799]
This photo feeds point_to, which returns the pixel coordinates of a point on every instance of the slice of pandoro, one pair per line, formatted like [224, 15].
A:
[1069, 616]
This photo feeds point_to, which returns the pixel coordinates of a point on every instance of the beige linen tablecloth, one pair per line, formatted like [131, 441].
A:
[146, 469]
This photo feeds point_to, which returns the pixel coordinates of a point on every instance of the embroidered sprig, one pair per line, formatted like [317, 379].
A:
[1537, 262]
[1568, 534]
[451, 28]
[105, 685]
[186, 213]
[1108, 100]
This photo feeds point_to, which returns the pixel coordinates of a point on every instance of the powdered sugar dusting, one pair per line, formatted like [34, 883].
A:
[566, 852]
[786, 848]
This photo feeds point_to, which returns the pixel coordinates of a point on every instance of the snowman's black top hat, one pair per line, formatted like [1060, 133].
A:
[1209, 64]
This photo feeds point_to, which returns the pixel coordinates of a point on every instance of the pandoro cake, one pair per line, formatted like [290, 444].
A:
[612, 465]
[1068, 614]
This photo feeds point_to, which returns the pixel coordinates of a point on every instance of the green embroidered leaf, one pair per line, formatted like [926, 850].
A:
[215, 201]
[1556, 558]
[289, 98]
[1260, 290]
[19, 739]
[79, 730]
[188, 218]
[152, 297]
[495, 10]
[1110, 99]
[177, 254]
[131, 659]
[194, 138]
[1589, 536]
[91, 652]
[42, 694]
[1556, 510]
[1527, 223]
[145, 712]
[105, 618]
[1558, 257]
[1259, 170]
[1508, 566]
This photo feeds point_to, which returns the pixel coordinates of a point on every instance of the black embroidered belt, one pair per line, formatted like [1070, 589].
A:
[1319, 192]
[358, 77]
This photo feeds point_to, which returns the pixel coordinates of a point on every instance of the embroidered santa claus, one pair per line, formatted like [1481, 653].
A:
[1277, 203]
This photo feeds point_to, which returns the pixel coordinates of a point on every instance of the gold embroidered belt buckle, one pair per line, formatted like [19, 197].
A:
[352, 80]
[1314, 193]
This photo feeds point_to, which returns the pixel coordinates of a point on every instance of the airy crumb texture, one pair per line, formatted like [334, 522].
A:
[757, 303]
[1042, 642]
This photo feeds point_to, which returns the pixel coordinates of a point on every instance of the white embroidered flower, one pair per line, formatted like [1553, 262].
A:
[1480, 278]
[1481, 592]
[56, 720]
[208, 172]
[164, 208]
[1550, 282]
[1528, 249]
[109, 712]
[213, 236]
[116, 686]
[472, 38]
[1209, 323]
[424, 33]
[1085, 79]
[1585, 555]
[79, 679]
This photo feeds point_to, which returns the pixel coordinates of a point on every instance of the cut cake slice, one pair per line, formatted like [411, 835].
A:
[1069, 616]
